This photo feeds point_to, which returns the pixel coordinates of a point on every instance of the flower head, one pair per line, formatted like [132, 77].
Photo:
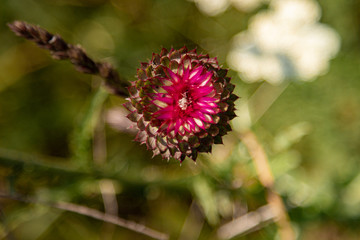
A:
[181, 103]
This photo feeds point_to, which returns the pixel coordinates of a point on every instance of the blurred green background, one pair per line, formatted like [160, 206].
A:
[60, 138]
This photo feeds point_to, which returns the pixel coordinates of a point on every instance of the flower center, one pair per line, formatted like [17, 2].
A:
[187, 102]
[184, 101]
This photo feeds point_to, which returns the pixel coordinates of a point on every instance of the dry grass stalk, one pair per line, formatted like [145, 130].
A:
[93, 213]
[61, 50]
[266, 178]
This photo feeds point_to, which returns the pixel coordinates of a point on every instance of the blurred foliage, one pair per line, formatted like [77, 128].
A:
[55, 143]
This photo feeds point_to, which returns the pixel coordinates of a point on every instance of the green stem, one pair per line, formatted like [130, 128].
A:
[19, 161]
[83, 135]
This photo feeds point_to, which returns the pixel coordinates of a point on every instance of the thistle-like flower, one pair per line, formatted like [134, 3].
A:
[181, 103]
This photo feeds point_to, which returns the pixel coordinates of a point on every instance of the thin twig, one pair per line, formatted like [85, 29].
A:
[93, 213]
[266, 178]
[59, 49]
[247, 223]
[108, 193]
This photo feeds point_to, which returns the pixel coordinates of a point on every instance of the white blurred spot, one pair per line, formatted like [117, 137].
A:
[212, 7]
[296, 11]
[284, 42]
[116, 118]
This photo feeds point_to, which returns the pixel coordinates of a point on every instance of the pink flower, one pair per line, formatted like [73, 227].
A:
[181, 103]
[188, 102]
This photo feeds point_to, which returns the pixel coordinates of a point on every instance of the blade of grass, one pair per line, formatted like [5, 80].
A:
[83, 135]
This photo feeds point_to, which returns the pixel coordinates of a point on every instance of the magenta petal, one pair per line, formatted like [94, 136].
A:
[203, 91]
[212, 104]
[165, 113]
[173, 76]
[186, 74]
[194, 114]
[207, 104]
[206, 79]
[209, 110]
[166, 100]
[191, 123]
[208, 118]
[201, 116]
[195, 74]
[177, 125]
[203, 79]
[169, 89]
[165, 116]
[202, 105]
[207, 99]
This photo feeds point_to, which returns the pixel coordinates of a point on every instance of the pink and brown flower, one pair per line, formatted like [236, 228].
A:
[181, 103]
